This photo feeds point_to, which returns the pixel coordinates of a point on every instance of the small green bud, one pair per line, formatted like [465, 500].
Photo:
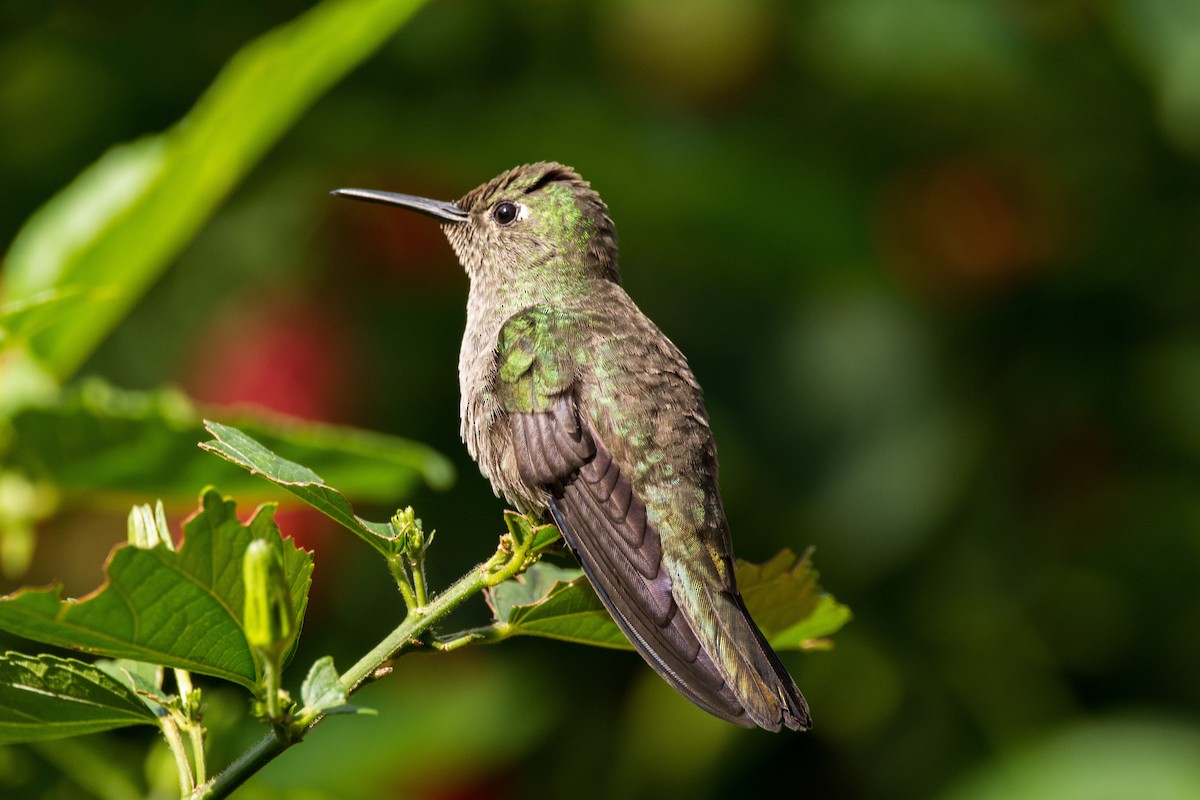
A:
[268, 619]
[405, 523]
[147, 528]
[411, 537]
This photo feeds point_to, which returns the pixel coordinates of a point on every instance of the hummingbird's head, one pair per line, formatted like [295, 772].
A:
[538, 221]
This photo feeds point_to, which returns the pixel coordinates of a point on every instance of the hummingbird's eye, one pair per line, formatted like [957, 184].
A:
[505, 213]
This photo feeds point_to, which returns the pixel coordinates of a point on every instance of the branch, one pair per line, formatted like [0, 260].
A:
[513, 556]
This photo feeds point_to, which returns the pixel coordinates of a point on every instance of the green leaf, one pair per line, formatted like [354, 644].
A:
[46, 697]
[99, 438]
[143, 678]
[826, 619]
[321, 688]
[323, 694]
[20, 319]
[235, 446]
[554, 603]
[782, 596]
[544, 537]
[528, 588]
[524, 529]
[176, 608]
[127, 216]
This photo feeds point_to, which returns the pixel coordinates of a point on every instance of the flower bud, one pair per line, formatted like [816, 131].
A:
[147, 528]
[411, 537]
[268, 618]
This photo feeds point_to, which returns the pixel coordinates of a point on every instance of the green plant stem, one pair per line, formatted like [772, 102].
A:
[247, 764]
[417, 570]
[196, 737]
[183, 682]
[190, 723]
[397, 564]
[421, 619]
[170, 732]
[511, 558]
[271, 669]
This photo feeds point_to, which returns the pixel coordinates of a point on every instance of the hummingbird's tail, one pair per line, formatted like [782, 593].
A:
[719, 660]
[760, 682]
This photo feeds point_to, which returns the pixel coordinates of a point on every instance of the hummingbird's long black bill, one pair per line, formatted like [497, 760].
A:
[438, 209]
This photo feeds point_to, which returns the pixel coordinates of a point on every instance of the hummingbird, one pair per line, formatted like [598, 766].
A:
[578, 409]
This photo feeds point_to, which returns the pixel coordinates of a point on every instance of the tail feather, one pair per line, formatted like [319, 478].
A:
[762, 684]
[736, 677]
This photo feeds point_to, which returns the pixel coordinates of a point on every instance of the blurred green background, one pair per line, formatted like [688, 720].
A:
[934, 262]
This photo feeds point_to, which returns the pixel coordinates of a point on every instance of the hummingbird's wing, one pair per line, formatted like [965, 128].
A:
[567, 456]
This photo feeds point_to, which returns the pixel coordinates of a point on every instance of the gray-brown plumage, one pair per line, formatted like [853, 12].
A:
[577, 407]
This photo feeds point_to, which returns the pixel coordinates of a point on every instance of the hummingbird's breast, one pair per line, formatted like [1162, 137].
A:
[477, 369]
[481, 417]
